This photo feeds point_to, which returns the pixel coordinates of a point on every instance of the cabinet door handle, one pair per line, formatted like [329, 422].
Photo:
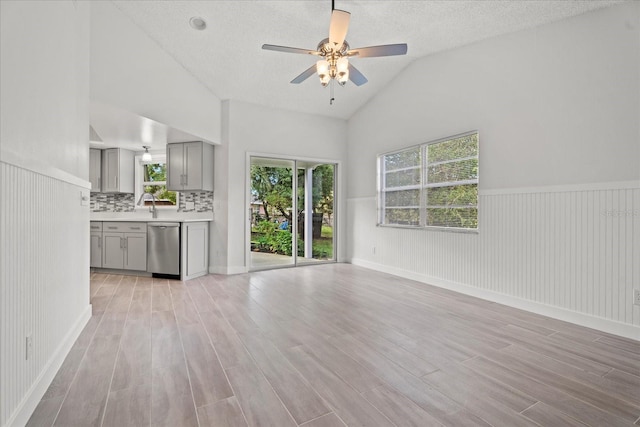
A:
[135, 228]
[99, 242]
[125, 242]
[186, 179]
[99, 183]
[112, 228]
[121, 242]
[116, 181]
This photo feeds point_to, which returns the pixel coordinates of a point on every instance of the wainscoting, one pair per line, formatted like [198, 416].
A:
[565, 252]
[44, 273]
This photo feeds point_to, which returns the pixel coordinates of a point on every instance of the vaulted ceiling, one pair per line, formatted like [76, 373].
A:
[227, 56]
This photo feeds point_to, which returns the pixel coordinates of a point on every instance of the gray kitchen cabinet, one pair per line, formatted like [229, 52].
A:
[135, 251]
[124, 246]
[96, 245]
[195, 249]
[112, 250]
[190, 166]
[95, 169]
[117, 170]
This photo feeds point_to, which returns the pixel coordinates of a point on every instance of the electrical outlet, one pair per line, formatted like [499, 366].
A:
[636, 296]
[28, 347]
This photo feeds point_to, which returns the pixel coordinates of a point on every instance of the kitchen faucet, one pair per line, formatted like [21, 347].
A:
[153, 210]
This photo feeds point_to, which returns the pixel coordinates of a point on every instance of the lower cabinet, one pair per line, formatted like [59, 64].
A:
[96, 245]
[195, 249]
[124, 248]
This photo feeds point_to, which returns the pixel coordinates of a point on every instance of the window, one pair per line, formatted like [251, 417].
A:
[431, 185]
[152, 179]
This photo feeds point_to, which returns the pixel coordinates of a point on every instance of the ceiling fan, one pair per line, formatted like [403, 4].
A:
[335, 53]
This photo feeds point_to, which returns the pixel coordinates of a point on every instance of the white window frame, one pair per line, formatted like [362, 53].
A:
[422, 186]
[139, 182]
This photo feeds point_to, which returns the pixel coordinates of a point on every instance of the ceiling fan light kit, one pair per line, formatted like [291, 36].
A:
[335, 53]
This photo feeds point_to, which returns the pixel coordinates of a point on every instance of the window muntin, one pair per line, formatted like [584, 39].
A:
[431, 185]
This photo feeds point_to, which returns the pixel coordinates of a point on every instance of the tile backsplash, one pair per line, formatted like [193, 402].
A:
[202, 201]
[111, 202]
[120, 202]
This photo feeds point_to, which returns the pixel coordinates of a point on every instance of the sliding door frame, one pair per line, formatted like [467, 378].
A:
[337, 214]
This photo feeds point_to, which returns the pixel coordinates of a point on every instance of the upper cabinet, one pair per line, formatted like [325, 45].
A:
[190, 166]
[117, 171]
[95, 167]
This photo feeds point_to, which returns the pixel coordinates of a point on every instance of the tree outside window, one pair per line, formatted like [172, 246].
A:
[431, 185]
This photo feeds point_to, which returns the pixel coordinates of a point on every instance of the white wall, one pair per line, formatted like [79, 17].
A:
[251, 128]
[558, 112]
[130, 71]
[44, 67]
[44, 160]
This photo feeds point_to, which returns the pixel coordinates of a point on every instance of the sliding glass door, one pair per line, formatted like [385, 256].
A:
[291, 212]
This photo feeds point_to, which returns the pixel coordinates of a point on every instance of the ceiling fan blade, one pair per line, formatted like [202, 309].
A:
[384, 50]
[338, 27]
[288, 49]
[356, 76]
[305, 75]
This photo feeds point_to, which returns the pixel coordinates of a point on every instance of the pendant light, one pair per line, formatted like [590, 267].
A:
[146, 157]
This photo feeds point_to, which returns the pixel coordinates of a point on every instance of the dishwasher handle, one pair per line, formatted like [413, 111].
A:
[163, 224]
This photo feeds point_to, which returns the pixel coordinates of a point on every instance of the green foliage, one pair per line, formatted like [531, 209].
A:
[465, 146]
[453, 171]
[272, 186]
[161, 192]
[460, 195]
[402, 159]
[282, 243]
[403, 178]
[323, 177]
[266, 228]
[402, 198]
[157, 172]
[267, 237]
[402, 216]
[453, 217]
[322, 248]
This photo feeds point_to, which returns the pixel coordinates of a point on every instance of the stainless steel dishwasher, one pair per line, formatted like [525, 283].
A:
[163, 248]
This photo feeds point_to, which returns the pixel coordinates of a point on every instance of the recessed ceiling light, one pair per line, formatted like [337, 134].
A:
[197, 23]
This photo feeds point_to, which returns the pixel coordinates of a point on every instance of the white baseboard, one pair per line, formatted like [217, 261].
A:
[41, 384]
[605, 325]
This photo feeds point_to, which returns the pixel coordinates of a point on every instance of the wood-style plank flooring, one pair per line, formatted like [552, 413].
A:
[332, 345]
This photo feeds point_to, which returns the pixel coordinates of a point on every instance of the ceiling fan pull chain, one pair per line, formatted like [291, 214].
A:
[331, 97]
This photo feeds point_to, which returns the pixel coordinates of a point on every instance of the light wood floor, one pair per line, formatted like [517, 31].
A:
[332, 345]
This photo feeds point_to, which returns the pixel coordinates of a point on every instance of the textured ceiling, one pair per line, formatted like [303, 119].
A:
[228, 59]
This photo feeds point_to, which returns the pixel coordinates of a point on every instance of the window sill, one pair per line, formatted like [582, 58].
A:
[432, 228]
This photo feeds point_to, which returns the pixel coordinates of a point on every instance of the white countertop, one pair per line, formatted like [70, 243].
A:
[143, 215]
[138, 219]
